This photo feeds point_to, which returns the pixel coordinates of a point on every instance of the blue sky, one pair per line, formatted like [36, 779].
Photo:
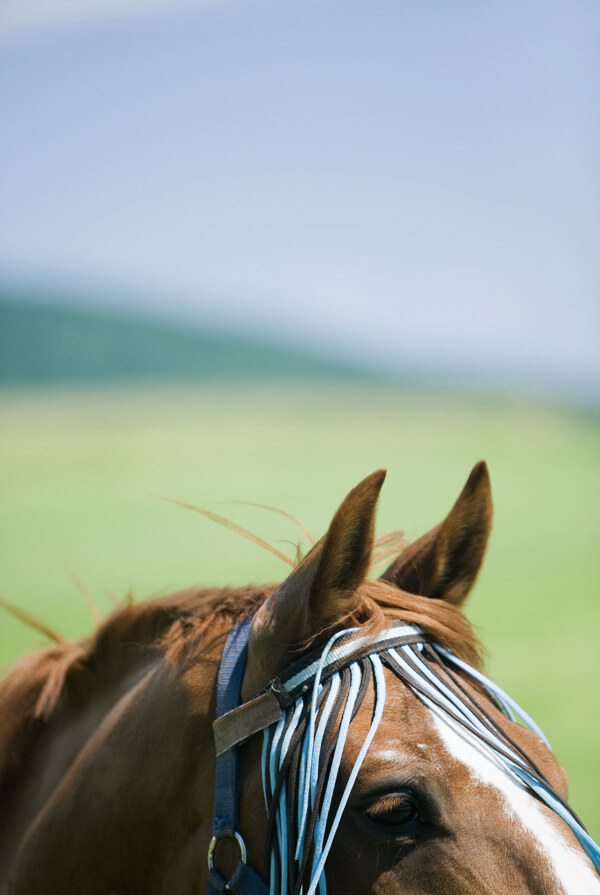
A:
[415, 183]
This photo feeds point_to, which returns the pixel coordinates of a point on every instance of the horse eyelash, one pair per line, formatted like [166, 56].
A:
[390, 801]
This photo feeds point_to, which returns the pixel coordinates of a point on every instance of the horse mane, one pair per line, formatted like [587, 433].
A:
[183, 627]
[177, 626]
[36, 685]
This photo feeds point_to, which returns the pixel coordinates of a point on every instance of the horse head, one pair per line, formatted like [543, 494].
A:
[428, 809]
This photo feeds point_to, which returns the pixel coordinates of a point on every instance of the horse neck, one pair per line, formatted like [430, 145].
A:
[49, 755]
[141, 737]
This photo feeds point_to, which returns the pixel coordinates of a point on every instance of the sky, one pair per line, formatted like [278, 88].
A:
[412, 184]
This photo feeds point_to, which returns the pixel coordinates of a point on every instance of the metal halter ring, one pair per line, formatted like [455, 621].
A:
[213, 844]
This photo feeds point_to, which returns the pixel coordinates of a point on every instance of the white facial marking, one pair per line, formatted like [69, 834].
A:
[571, 867]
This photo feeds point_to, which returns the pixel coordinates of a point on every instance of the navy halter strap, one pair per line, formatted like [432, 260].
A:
[297, 713]
[245, 880]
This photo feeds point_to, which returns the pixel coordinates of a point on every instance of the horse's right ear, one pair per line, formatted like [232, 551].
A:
[444, 563]
[320, 593]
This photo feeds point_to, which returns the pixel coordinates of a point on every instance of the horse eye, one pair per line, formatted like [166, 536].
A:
[394, 810]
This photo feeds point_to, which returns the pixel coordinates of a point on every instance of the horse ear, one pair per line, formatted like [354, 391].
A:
[444, 563]
[321, 592]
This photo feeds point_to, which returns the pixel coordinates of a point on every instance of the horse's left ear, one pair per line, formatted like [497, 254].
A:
[320, 593]
[444, 563]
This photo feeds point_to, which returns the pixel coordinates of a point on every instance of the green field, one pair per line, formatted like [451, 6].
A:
[80, 471]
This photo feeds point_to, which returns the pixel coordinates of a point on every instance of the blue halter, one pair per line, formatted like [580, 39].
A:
[245, 880]
[298, 713]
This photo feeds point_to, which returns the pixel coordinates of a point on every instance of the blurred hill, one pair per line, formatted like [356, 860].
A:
[48, 342]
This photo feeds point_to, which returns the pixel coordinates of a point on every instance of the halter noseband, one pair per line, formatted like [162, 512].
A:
[298, 713]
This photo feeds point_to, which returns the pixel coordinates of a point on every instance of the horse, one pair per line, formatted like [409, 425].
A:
[358, 747]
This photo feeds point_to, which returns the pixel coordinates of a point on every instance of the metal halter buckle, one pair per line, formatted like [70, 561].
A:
[213, 844]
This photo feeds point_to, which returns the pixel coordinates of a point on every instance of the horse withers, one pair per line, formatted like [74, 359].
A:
[358, 748]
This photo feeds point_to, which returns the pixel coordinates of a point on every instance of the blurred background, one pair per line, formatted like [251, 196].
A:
[252, 251]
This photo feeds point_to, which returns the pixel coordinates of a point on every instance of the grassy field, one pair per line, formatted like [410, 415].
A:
[81, 471]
